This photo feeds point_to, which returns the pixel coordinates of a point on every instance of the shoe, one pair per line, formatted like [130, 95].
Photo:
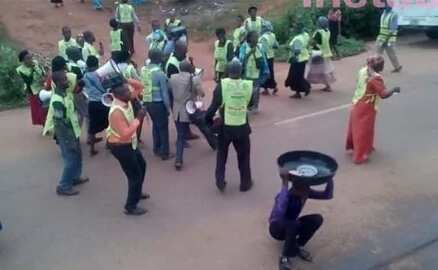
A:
[265, 92]
[167, 157]
[178, 165]
[192, 137]
[327, 89]
[296, 96]
[145, 196]
[93, 153]
[304, 255]
[246, 188]
[284, 263]
[67, 193]
[397, 70]
[275, 91]
[221, 185]
[81, 181]
[136, 212]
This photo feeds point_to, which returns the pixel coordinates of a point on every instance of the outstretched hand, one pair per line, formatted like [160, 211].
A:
[285, 176]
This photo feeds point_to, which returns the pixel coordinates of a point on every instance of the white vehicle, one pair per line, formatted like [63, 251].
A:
[418, 14]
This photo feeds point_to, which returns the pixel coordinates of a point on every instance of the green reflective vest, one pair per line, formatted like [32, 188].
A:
[269, 40]
[324, 47]
[88, 50]
[129, 115]
[32, 77]
[170, 24]
[116, 40]
[220, 55]
[130, 72]
[125, 13]
[172, 61]
[158, 43]
[146, 79]
[385, 35]
[361, 84]
[238, 36]
[256, 25]
[64, 45]
[236, 95]
[250, 65]
[70, 114]
[303, 38]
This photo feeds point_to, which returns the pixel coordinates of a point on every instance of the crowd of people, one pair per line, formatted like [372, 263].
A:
[116, 95]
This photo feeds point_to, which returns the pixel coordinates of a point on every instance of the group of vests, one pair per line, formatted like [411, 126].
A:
[304, 39]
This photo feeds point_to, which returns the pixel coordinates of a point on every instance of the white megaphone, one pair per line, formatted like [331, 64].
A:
[45, 97]
[111, 67]
[107, 99]
[193, 106]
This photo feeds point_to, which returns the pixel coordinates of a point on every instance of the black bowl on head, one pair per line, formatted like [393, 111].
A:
[316, 168]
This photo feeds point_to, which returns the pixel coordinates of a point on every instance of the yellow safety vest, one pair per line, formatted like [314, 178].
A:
[172, 61]
[324, 47]
[36, 74]
[270, 40]
[361, 84]
[158, 44]
[385, 35]
[129, 115]
[116, 40]
[236, 95]
[256, 25]
[238, 36]
[130, 72]
[64, 45]
[146, 79]
[70, 111]
[170, 24]
[125, 13]
[251, 70]
[303, 38]
[220, 55]
[89, 50]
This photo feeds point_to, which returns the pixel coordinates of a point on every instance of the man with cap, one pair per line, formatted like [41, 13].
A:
[232, 97]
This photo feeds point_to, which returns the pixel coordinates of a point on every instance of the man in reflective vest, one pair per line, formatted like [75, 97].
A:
[157, 38]
[239, 34]
[116, 39]
[127, 19]
[388, 36]
[251, 56]
[66, 42]
[67, 132]
[223, 53]
[157, 101]
[172, 22]
[232, 97]
[254, 22]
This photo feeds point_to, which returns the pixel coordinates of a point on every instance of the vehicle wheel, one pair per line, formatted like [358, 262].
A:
[432, 33]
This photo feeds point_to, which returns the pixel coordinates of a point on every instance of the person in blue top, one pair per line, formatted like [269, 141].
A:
[285, 222]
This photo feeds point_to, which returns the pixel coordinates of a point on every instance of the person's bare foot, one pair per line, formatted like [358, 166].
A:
[397, 70]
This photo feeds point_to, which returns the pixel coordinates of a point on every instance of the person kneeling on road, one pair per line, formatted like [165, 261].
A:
[285, 223]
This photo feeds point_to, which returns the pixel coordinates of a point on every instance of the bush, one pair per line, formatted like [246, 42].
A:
[11, 85]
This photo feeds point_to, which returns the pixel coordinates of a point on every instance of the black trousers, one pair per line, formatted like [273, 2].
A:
[160, 127]
[270, 83]
[242, 145]
[296, 233]
[128, 30]
[134, 166]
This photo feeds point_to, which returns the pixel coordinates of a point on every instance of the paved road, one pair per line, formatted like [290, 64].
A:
[384, 214]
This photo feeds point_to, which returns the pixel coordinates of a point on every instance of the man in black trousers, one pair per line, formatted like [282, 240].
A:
[232, 97]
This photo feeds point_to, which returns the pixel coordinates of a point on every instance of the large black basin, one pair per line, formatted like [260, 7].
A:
[307, 167]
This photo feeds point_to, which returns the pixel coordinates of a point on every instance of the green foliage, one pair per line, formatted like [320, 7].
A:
[11, 85]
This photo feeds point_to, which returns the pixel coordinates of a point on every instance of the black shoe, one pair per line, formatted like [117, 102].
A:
[67, 193]
[221, 185]
[304, 255]
[136, 212]
[145, 196]
[81, 181]
[284, 263]
[246, 187]
[167, 157]
[178, 165]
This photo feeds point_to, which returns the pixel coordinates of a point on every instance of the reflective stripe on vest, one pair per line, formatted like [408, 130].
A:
[124, 13]
[172, 61]
[146, 79]
[129, 72]
[220, 55]
[304, 40]
[385, 34]
[236, 95]
[70, 111]
[270, 39]
[129, 115]
[254, 25]
[251, 70]
[116, 40]
[175, 23]
[324, 47]
[361, 84]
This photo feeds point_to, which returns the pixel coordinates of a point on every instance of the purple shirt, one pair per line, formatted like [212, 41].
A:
[288, 206]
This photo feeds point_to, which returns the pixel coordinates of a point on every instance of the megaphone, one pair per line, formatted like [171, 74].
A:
[110, 67]
[193, 106]
[107, 99]
[45, 97]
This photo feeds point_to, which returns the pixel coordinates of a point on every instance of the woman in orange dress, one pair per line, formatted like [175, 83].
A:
[370, 88]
